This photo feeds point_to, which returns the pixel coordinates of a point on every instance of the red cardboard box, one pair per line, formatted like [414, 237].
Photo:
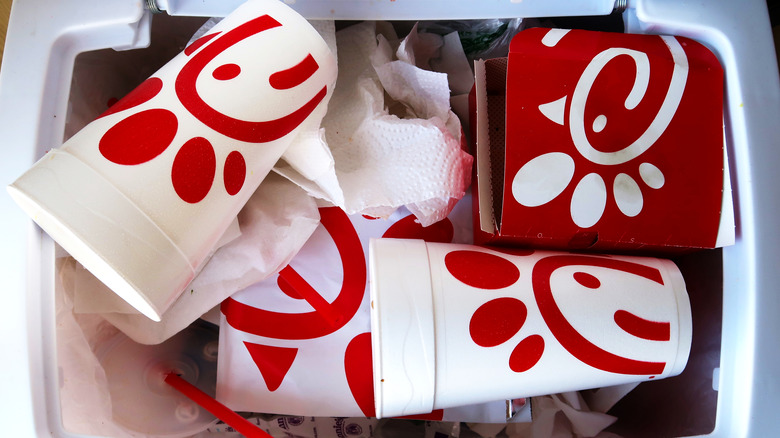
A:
[609, 141]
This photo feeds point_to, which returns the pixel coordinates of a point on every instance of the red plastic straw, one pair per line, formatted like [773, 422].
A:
[237, 422]
[308, 293]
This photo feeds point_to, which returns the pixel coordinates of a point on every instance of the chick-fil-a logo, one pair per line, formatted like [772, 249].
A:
[602, 130]
[143, 135]
[501, 319]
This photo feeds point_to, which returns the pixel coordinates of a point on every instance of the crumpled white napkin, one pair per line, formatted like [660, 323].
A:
[581, 420]
[570, 414]
[275, 223]
[389, 128]
[566, 415]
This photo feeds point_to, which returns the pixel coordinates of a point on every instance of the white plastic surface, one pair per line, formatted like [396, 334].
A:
[404, 9]
[37, 66]
[44, 37]
[738, 33]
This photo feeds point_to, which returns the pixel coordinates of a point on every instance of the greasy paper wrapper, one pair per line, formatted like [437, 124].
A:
[532, 323]
[141, 195]
[274, 333]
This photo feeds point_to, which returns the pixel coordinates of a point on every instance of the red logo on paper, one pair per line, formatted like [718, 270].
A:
[143, 135]
[327, 317]
[275, 362]
[314, 324]
[499, 320]
[615, 134]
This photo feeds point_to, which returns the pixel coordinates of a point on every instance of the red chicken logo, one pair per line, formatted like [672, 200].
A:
[219, 67]
[562, 286]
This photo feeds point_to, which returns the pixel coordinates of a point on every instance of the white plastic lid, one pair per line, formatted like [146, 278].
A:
[402, 327]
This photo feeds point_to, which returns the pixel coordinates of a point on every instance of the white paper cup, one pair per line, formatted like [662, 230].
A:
[454, 324]
[141, 195]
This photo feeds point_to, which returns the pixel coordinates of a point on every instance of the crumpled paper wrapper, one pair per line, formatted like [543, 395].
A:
[393, 138]
[566, 415]
[84, 398]
[274, 225]
[338, 427]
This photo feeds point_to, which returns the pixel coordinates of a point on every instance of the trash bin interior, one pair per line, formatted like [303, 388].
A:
[680, 406]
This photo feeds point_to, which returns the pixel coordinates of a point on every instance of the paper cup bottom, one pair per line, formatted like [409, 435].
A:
[105, 231]
[402, 328]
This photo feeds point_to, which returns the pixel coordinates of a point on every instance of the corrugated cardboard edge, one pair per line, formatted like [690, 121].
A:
[484, 186]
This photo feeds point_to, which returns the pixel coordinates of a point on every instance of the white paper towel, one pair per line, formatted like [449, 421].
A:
[387, 153]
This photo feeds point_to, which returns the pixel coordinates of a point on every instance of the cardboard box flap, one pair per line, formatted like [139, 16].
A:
[490, 88]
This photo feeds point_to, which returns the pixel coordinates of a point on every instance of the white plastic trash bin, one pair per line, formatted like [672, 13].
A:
[45, 36]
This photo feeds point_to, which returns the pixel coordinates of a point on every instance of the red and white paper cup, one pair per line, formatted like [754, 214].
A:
[460, 324]
[141, 195]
